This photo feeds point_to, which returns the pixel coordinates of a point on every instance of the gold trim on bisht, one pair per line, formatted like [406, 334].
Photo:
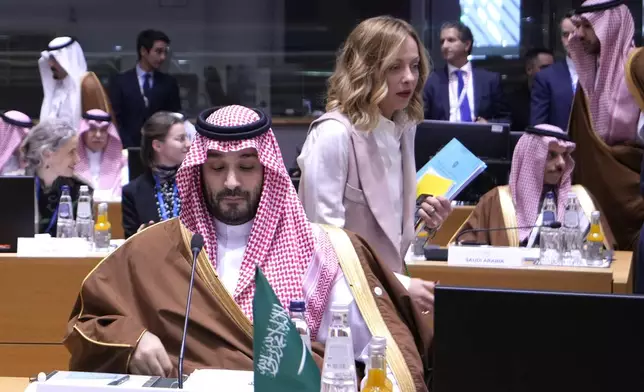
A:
[355, 276]
[210, 277]
[509, 214]
[82, 306]
[633, 86]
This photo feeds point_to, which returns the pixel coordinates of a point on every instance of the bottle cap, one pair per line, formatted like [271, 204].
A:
[339, 307]
[550, 195]
[594, 215]
[102, 208]
[297, 305]
[377, 345]
[572, 195]
[378, 341]
[84, 188]
[65, 188]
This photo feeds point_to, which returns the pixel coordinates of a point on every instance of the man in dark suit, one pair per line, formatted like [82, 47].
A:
[553, 88]
[536, 60]
[144, 90]
[459, 92]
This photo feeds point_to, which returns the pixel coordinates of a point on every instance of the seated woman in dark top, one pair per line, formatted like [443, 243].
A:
[153, 197]
[50, 154]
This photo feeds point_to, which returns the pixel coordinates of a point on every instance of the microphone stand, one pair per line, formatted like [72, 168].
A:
[553, 225]
[196, 246]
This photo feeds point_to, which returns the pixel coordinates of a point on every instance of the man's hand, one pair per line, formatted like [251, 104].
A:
[422, 292]
[481, 120]
[143, 226]
[150, 358]
[434, 211]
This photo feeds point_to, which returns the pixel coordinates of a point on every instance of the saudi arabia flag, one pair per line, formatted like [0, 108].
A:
[281, 360]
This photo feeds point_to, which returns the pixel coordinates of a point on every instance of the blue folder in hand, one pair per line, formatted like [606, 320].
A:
[456, 163]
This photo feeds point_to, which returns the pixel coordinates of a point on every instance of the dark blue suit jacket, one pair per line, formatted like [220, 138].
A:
[489, 102]
[552, 96]
[128, 105]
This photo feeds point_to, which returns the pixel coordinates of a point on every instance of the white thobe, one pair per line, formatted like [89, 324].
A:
[231, 244]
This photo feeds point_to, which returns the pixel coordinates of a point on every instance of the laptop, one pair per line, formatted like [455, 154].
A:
[490, 340]
[17, 211]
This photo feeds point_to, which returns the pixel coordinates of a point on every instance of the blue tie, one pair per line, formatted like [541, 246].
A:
[466, 114]
[146, 83]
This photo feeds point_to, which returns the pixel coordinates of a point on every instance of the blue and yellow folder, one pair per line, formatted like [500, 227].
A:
[449, 171]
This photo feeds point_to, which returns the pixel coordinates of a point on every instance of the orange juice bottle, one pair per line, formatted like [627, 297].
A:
[594, 241]
[102, 229]
[377, 380]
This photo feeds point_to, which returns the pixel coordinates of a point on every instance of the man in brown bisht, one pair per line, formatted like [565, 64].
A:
[541, 163]
[605, 117]
[237, 194]
[635, 79]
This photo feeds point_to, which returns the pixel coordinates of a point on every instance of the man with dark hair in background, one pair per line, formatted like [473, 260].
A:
[554, 88]
[459, 92]
[138, 93]
[536, 60]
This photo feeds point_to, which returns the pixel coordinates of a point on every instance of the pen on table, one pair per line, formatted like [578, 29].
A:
[42, 377]
[120, 380]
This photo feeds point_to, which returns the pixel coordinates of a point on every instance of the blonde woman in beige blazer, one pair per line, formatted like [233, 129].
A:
[357, 164]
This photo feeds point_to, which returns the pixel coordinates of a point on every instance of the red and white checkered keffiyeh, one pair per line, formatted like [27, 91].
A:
[527, 173]
[613, 110]
[112, 160]
[11, 135]
[281, 240]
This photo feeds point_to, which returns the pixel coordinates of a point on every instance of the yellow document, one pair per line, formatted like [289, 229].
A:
[433, 184]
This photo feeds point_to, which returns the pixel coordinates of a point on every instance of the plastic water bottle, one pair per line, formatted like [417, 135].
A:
[549, 238]
[572, 236]
[65, 223]
[339, 370]
[84, 223]
[102, 229]
[297, 308]
[549, 209]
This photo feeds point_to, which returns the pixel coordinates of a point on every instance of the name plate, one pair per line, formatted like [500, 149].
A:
[46, 246]
[491, 256]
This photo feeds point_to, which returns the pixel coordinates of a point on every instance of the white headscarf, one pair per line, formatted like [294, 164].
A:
[69, 54]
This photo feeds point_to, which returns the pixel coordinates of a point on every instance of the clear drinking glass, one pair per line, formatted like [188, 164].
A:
[550, 242]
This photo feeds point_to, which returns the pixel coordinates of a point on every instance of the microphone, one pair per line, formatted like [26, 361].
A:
[196, 244]
[551, 225]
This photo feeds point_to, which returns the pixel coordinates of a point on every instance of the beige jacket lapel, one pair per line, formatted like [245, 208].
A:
[409, 188]
[374, 182]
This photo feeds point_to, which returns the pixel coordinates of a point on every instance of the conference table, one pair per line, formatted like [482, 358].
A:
[13, 384]
[38, 294]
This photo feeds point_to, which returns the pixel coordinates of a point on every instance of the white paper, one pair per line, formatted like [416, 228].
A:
[52, 247]
[224, 380]
[46, 246]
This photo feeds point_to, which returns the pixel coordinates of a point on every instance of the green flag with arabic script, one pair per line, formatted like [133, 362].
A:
[281, 361]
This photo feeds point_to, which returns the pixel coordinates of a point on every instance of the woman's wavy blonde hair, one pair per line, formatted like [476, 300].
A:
[359, 83]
